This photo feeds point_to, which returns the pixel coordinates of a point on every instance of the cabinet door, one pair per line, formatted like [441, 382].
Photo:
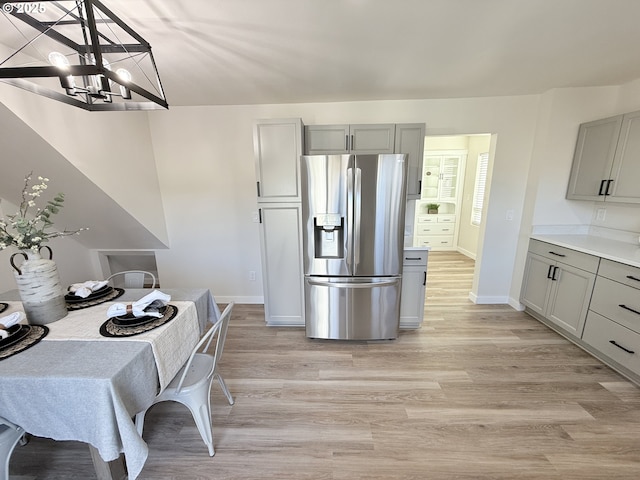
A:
[336, 139]
[536, 283]
[326, 139]
[281, 244]
[449, 178]
[410, 140]
[277, 149]
[431, 178]
[412, 300]
[625, 174]
[372, 138]
[570, 297]
[593, 158]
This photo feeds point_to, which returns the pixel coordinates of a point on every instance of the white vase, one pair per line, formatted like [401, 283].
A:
[40, 289]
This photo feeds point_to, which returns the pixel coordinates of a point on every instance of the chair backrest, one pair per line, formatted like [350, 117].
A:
[220, 327]
[134, 278]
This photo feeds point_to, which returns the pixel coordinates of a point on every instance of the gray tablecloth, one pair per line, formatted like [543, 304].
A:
[89, 391]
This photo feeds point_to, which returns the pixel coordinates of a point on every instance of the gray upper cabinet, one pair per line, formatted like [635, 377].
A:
[277, 148]
[335, 139]
[374, 138]
[625, 171]
[606, 162]
[410, 140]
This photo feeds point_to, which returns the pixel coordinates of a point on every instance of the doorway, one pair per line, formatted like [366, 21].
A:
[446, 215]
[455, 170]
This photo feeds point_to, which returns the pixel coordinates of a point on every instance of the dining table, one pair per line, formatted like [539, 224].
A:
[77, 384]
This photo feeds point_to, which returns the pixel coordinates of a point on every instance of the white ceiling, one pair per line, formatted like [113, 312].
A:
[217, 52]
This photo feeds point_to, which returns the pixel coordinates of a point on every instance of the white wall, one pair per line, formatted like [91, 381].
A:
[113, 149]
[469, 234]
[204, 158]
[561, 112]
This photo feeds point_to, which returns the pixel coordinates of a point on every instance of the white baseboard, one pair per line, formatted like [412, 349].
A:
[466, 253]
[516, 304]
[488, 300]
[239, 300]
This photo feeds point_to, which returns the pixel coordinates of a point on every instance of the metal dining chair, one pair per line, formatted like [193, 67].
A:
[133, 278]
[192, 384]
[10, 435]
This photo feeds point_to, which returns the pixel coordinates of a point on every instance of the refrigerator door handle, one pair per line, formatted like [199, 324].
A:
[357, 214]
[320, 283]
[349, 256]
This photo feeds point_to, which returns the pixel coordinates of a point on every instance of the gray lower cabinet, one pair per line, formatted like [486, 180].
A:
[414, 281]
[593, 301]
[557, 285]
[612, 329]
[283, 280]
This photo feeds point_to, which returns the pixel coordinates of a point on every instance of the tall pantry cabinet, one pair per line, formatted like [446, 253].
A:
[278, 145]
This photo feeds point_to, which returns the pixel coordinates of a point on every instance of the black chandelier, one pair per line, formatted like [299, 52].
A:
[77, 52]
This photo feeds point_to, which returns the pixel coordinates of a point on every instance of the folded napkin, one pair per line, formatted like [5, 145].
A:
[9, 321]
[147, 306]
[83, 290]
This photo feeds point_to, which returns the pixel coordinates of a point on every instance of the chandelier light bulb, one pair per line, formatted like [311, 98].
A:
[125, 77]
[124, 74]
[67, 82]
[58, 60]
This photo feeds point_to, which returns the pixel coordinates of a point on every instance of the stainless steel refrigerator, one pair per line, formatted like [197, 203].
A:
[353, 209]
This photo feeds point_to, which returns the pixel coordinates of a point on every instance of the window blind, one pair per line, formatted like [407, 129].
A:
[479, 188]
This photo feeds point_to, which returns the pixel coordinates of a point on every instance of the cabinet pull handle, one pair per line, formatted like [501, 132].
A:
[631, 277]
[424, 280]
[352, 145]
[613, 342]
[549, 271]
[602, 183]
[629, 308]
[557, 254]
[606, 192]
[555, 270]
[258, 188]
[419, 186]
[259, 215]
[412, 258]
[346, 142]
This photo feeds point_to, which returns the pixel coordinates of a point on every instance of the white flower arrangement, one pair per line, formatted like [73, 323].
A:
[28, 232]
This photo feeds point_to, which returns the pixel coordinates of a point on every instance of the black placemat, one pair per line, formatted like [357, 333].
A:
[36, 333]
[110, 329]
[3, 306]
[94, 295]
[115, 293]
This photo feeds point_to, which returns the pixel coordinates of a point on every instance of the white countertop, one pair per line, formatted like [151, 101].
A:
[615, 250]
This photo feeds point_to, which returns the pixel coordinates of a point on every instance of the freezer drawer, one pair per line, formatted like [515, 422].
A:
[352, 308]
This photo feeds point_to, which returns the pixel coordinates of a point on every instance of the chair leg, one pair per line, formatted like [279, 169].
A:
[224, 387]
[8, 441]
[201, 412]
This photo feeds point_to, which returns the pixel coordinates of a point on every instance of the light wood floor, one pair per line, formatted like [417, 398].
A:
[479, 392]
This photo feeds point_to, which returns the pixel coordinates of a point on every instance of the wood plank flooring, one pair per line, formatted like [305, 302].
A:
[479, 392]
